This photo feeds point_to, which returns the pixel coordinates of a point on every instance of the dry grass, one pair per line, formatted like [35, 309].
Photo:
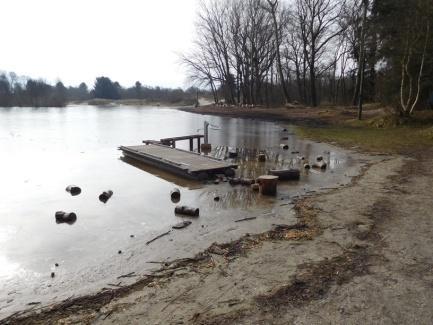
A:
[379, 132]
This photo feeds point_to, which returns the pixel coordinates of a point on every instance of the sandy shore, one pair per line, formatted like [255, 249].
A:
[360, 254]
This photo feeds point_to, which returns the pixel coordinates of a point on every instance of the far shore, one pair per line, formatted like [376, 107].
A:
[132, 102]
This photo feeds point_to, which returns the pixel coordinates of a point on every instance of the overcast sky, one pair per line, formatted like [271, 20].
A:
[78, 40]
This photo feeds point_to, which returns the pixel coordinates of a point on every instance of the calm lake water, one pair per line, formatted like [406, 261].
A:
[43, 150]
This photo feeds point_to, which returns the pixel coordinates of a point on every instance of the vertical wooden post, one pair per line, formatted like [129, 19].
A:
[268, 184]
[191, 144]
[173, 144]
[198, 144]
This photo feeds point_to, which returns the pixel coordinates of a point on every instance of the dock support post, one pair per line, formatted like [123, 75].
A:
[191, 144]
[173, 144]
[198, 145]
[206, 132]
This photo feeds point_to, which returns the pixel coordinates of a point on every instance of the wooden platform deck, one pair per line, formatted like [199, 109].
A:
[184, 163]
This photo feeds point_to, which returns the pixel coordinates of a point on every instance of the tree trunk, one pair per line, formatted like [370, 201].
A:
[313, 82]
[362, 60]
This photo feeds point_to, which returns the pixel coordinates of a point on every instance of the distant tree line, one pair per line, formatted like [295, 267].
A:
[106, 89]
[19, 91]
[314, 51]
[22, 91]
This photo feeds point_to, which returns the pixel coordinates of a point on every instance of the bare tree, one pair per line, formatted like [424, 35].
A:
[272, 8]
[319, 22]
[408, 97]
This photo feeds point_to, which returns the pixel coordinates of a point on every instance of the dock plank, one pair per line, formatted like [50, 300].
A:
[186, 161]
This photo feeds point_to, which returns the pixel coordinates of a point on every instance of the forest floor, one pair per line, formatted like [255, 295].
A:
[361, 254]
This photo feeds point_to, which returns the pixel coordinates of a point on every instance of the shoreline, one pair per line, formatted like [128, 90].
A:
[304, 229]
[205, 247]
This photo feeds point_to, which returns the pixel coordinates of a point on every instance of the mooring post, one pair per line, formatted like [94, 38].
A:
[206, 132]
[173, 143]
[191, 144]
[198, 144]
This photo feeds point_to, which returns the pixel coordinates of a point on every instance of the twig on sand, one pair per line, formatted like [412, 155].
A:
[246, 219]
[129, 275]
[157, 237]
[108, 314]
[34, 303]
[155, 262]
[177, 297]
[118, 285]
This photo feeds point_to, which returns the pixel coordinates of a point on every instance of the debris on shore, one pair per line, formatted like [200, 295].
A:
[157, 237]
[182, 225]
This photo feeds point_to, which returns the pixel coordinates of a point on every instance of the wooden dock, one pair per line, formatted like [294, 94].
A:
[181, 162]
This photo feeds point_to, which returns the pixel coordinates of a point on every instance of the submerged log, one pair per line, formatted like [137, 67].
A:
[268, 184]
[286, 174]
[234, 181]
[63, 217]
[187, 211]
[247, 181]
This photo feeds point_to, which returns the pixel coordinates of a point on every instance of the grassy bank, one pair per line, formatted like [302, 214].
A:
[387, 134]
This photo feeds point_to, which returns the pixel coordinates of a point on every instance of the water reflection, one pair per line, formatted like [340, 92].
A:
[168, 177]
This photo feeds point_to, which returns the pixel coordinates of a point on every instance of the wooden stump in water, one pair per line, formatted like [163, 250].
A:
[175, 195]
[262, 157]
[105, 196]
[268, 184]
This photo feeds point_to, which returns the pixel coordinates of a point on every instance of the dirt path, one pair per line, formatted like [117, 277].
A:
[359, 255]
